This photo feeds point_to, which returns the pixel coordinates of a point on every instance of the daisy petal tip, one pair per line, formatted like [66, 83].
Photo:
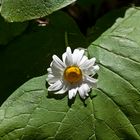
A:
[70, 97]
[51, 64]
[94, 58]
[68, 49]
[82, 50]
[71, 93]
[96, 67]
[49, 70]
[49, 89]
[54, 57]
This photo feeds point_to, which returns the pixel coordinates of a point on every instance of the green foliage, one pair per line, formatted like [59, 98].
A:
[9, 31]
[31, 53]
[31, 113]
[26, 10]
[117, 104]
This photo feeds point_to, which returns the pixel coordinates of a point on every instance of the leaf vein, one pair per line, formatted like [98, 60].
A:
[116, 104]
[118, 54]
[61, 123]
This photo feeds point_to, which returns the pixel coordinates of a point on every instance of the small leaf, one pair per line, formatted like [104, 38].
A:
[26, 10]
[10, 30]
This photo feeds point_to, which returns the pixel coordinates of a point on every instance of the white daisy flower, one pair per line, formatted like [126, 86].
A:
[73, 73]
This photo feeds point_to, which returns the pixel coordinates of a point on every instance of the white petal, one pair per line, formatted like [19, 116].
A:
[96, 68]
[86, 88]
[88, 63]
[90, 81]
[58, 61]
[56, 67]
[56, 86]
[49, 70]
[68, 50]
[63, 89]
[77, 56]
[72, 93]
[52, 79]
[84, 58]
[50, 76]
[68, 59]
[81, 92]
[89, 71]
[64, 57]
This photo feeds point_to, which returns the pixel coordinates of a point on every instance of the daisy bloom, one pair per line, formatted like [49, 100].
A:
[74, 73]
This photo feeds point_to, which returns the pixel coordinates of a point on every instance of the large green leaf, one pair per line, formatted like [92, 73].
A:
[26, 10]
[117, 105]
[31, 113]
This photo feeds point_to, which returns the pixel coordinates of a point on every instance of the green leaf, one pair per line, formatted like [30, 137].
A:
[117, 104]
[31, 53]
[9, 31]
[26, 10]
[31, 113]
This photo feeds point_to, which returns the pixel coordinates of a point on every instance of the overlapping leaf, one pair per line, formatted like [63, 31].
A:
[10, 30]
[26, 10]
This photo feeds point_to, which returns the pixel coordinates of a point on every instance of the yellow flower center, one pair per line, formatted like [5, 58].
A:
[72, 74]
